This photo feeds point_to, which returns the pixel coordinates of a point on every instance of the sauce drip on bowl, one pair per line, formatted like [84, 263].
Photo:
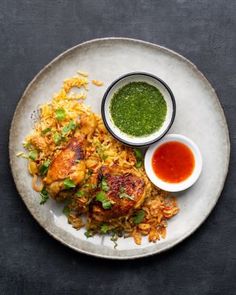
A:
[173, 162]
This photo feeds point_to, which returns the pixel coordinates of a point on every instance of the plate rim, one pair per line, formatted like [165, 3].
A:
[153, 45]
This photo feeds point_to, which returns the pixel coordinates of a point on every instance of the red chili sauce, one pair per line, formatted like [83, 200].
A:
[173, 162]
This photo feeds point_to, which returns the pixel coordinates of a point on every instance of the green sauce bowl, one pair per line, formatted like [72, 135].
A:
[134, 104]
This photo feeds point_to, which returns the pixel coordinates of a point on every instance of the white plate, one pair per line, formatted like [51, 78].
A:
[199, 116]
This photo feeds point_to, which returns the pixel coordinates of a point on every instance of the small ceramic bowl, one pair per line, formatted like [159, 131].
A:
[180, 186]
[139, 140]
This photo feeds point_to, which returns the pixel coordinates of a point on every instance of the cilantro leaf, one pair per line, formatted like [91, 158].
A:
[88, 234]
[33, 155]
[46, 130]
[68, 183]
[44, 167]
[138, 216]
[139, 158]
[104, 228]
[44, 196]
[138, 154]
[66, 210]
[101, 197]
[57, 138]
[60, 114]
[100, 151]
[139, 164]
[104, 185]
[80, 194]
[68, 128]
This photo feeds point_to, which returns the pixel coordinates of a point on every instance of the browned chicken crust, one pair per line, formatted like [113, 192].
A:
[126, 190]
[69, 163]
[63, 164]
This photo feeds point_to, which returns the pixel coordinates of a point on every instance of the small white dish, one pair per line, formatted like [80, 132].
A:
[168, 186]
[146, 139]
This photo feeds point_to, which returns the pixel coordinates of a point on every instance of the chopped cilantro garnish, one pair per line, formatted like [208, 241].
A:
[138, 216]
[88, 234]
[139, 164]
[46, 130]
[26, 144]
[44, 167]
[104, 185]
[100, 151]
[101, 197]
[104, 228]
[44, 196]
[57, 138]
[68, 183]
[66, 210]
[80, 194]
[139, 158]
[33, 155]
[138, 154]
[60, 114]
[69, 127]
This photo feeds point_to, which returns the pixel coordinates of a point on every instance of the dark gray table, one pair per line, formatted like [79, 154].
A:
[34, 32]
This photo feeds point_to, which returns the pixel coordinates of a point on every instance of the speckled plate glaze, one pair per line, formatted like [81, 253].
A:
[199, 116]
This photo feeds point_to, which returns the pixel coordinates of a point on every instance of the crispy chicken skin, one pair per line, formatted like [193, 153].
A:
[63, 164]
[70, 162]
[129, 183]
[66, 165]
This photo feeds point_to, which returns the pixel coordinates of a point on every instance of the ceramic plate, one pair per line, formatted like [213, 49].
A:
[199, 116]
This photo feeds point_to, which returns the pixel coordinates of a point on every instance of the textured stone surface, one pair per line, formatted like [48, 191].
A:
[31, 34]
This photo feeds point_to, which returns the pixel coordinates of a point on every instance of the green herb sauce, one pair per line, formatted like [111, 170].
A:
[138, 109]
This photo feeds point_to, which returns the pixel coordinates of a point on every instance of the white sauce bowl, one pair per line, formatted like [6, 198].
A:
[139, 140]
[180, 186]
